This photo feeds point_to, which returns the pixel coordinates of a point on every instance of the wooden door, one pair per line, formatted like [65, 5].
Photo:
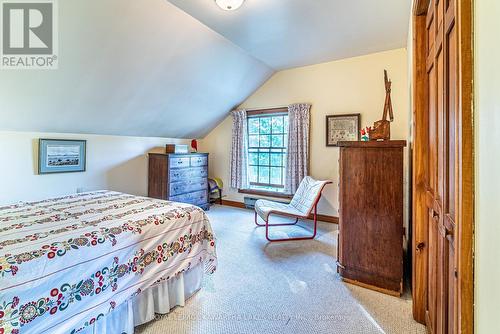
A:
[443, 169]
[442, 81]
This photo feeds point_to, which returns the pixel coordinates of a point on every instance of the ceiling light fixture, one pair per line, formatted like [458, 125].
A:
[229, 4]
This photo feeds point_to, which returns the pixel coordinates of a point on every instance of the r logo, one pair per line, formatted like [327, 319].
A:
[27, 28]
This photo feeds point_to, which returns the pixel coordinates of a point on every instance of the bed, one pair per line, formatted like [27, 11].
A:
[98, 262]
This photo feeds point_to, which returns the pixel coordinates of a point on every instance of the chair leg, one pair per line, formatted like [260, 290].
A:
[282, 224]
[256, 218]
[297, 238]
[220, 196]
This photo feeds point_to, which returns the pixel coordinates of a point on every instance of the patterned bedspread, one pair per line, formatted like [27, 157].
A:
[66, 262]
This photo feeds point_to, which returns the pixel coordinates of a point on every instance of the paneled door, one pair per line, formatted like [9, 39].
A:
[442, 164]
[441, 198]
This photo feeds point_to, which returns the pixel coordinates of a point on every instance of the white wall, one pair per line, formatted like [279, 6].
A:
[354, 85]
[487, 118]
[113, 162]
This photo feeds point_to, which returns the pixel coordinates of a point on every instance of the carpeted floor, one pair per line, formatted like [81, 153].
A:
[287, 287]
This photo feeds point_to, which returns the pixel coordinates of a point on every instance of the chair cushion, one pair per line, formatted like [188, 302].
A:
[264, 208]
[213, 187]
[306, 195]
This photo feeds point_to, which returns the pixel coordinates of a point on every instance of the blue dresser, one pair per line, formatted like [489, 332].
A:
[179, 178]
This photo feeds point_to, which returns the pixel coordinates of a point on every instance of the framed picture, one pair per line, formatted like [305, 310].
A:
[342, 128]
[61, 156]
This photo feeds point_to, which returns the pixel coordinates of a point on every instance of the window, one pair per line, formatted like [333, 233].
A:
[267, 150]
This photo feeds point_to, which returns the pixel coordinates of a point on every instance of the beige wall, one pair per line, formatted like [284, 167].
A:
[113, 162]
[353, 85]
[487, 118]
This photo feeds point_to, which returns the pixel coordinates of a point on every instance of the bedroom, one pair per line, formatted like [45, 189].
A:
[103, 231]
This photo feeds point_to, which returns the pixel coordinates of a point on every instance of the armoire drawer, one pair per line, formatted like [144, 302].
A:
[178, 174]
[195, 198]
[179, 162]
[187, 186]
[199, 161]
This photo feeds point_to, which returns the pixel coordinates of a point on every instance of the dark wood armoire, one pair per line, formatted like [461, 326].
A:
[371, 232]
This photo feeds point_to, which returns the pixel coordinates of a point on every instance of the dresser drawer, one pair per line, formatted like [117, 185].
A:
[187, 186]
[179, 162]
[199, 161]
[181, 174]
[195, 198]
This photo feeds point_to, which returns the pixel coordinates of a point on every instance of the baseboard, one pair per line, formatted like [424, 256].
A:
[323, 218]
[326, 219]
[372, 287]
[233, 204]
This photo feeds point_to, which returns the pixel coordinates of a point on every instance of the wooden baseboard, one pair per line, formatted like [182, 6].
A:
[233, 204]
[323, 218]
[372, 287]
[326, 219]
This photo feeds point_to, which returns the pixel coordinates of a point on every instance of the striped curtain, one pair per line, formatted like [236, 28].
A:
[297, 166]
[239, 150]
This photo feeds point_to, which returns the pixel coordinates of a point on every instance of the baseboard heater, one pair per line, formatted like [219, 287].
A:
[250, 202]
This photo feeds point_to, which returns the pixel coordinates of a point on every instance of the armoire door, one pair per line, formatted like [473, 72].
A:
[442, 198]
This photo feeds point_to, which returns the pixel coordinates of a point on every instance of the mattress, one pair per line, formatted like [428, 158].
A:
[67, 261]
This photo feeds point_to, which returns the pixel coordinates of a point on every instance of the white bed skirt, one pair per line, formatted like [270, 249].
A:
[159, 299]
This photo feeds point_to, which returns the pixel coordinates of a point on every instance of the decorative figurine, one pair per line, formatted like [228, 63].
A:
[194, 145]
[365, 133]
[382, 129]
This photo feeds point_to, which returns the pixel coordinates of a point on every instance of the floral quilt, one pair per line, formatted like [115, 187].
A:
[68, 261]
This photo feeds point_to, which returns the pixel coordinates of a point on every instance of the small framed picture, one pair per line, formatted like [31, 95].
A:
[61, 156]
[342, 128]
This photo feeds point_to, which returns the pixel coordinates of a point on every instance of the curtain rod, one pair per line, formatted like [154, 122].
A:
[260, 109]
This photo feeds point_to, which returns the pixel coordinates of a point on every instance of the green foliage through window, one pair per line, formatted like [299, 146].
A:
[267, 149]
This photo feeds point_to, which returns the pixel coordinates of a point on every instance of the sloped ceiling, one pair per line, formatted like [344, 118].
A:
[290, 33]
[130, 67]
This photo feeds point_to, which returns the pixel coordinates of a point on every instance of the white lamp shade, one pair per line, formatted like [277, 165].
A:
[229, 4]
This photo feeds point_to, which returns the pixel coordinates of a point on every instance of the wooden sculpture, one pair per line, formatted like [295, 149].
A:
[382, 129]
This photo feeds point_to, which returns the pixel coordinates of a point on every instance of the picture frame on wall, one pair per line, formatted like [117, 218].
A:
[344, 127]
[61, 155]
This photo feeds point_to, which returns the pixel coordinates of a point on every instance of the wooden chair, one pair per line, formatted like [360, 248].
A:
[303, 203]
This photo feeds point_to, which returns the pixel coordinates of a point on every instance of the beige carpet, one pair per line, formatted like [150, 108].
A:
[280, 288]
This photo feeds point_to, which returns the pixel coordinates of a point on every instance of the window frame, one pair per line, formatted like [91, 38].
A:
[259, 113]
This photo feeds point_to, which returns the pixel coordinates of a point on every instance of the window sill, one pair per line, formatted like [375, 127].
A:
[264, 193]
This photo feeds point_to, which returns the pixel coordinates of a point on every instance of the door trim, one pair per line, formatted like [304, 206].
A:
[465, 241]
[420, 133]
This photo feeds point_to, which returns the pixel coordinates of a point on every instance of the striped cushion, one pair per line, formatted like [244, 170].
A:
[306, 195]
[264, 208]
[302, 202]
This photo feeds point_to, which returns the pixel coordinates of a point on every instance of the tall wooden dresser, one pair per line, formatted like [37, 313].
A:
[179, 178]
[370, 245]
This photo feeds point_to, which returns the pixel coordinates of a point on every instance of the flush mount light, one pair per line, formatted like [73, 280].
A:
[229, 4]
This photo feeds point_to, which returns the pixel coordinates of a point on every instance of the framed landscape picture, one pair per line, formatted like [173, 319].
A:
[342, 128]
[61, 156]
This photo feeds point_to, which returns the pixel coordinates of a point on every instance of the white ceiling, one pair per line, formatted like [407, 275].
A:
[129, 67]
[147, 68]
[291, 33]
